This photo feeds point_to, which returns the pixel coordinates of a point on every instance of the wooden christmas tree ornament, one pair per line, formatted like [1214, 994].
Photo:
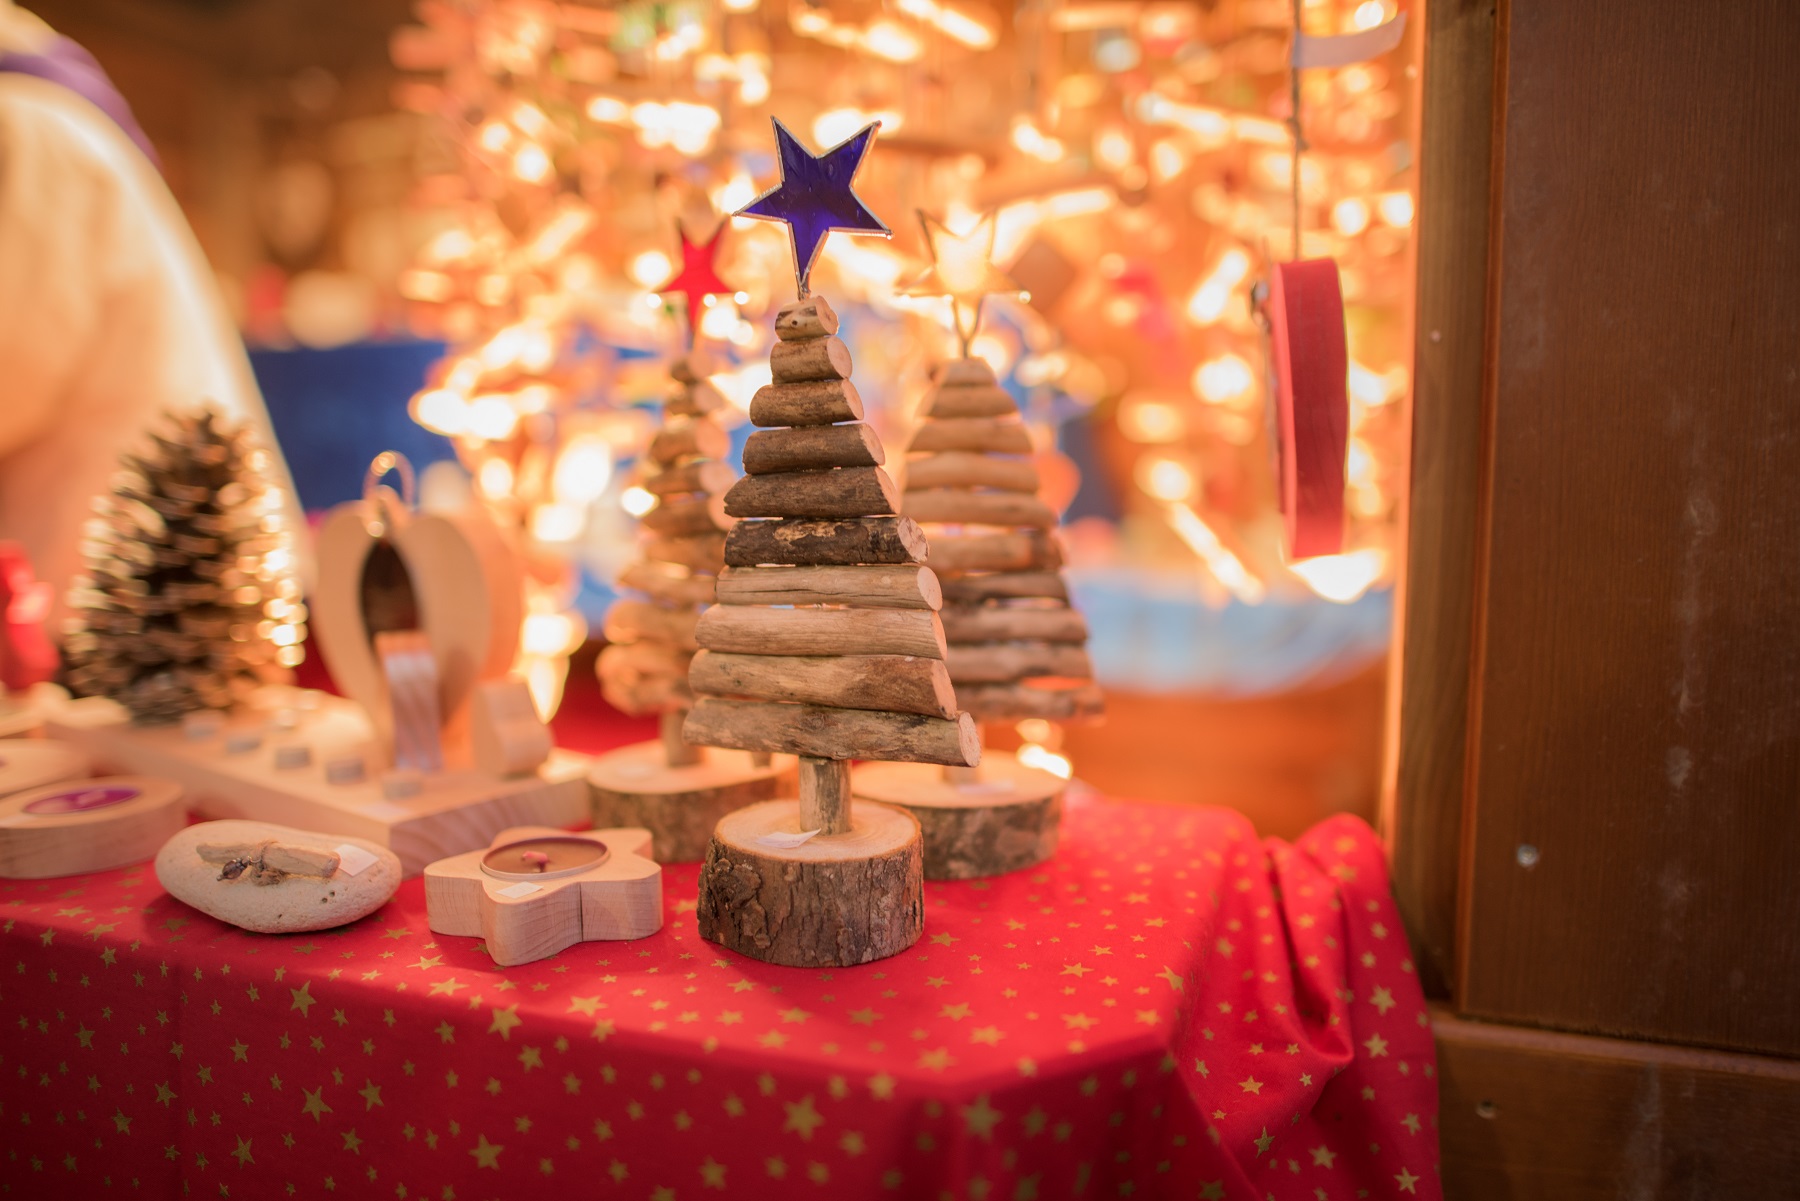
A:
[1016, 649]
[87, 825]
[414, 613]
[853, 669]
[537, 890]
[676, 791]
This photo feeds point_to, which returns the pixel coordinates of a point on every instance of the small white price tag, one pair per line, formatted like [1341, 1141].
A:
[353, 860]
[782, 841]
[523, 888]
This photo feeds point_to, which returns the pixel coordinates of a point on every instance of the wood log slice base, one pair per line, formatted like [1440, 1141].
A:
[1008, 818]
[836, 900]
[635, 786]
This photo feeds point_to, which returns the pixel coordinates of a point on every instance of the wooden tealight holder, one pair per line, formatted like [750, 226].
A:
[676, 791]
[1015, 646]
[825, 643]
[536, 891]
[87, 825]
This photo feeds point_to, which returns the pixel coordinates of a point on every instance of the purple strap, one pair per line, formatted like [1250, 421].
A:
[67, 64]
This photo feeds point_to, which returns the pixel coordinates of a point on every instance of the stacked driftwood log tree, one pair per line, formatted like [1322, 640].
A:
[675, 790]
[825, 643]
[1016, 648]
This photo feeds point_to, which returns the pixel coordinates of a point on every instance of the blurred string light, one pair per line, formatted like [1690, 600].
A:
[583, 131]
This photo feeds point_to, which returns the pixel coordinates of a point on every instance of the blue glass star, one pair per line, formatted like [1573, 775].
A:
[815, 196]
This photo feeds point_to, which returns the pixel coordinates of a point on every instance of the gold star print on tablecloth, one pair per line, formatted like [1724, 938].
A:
[1168, 1008]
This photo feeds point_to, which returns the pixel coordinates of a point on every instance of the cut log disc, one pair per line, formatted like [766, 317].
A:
[833, 901]
[970, 401]
[829, 733]
[963, 506]
[1009, 817]
[803, 542]
[812, 446]
[988, 435]
[635, 786]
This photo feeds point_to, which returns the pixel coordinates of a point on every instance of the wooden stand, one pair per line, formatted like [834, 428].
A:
[984, 821]
[832, 901]
[279, 764]
[525, 914]
[636, 786]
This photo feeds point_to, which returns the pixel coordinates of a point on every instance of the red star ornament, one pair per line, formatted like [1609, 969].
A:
[698, 278]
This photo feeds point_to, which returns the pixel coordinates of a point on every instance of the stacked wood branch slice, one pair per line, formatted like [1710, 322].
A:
[1015, 646]
[826, 643]
[675, 790]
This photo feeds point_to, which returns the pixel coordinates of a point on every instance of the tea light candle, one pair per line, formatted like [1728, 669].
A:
[545, 858]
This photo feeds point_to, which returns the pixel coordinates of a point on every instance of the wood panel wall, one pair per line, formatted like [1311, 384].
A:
[1594, 787]
[1635, 687]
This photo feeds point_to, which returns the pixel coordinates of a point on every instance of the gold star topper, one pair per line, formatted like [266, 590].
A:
[962, 268]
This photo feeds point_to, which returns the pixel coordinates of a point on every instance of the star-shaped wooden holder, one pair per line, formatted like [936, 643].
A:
[536, 890]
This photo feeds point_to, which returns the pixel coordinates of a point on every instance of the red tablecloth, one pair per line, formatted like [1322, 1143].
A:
[1170, 1008]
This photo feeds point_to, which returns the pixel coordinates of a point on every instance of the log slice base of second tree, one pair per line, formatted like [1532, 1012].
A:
[1008, 817]
[635, 786]
[835, 900]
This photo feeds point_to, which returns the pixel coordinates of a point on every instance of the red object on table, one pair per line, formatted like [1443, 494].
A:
[26, 655]
[1169, 1008]
[1312, 403]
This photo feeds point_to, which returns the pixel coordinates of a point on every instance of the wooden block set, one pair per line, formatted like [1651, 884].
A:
[675, 790]
[825, 643]
[1016, 649]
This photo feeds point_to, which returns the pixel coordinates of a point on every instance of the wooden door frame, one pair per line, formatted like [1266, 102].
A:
[1424, 777]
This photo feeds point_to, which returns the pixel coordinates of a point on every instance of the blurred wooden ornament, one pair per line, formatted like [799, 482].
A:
[536, 890]
[463, 579]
